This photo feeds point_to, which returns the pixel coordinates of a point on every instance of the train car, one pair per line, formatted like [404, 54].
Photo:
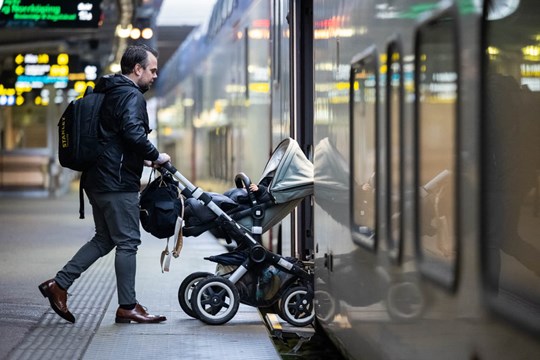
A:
[419, 116]
[426, 178]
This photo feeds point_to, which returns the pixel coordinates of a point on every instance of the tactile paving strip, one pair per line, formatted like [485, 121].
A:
[55, 338]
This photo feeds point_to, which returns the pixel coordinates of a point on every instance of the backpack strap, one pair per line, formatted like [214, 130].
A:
[81, 195]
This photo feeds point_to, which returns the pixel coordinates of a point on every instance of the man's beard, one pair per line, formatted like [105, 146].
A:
[144, 88]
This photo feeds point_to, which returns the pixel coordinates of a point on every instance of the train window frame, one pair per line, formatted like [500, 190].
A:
[370, 57]
[395, 244]
[441, 274]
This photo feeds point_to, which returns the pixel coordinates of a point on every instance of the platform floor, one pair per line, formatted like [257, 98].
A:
[93, 299]
[180, 337]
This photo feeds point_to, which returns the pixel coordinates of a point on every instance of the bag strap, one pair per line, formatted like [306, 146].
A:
[152, 172]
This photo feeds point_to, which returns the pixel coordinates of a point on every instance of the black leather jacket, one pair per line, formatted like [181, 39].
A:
[124, 123]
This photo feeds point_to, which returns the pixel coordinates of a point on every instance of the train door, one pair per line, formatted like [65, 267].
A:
[280, 72]
[280, 86]
[301, 60]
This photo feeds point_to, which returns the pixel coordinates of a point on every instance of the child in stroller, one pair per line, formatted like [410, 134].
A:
[250, 274]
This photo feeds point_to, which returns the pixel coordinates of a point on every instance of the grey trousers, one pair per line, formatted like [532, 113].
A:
[116, 217]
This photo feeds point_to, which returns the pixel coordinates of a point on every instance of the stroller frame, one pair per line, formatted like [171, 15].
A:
[214, 299]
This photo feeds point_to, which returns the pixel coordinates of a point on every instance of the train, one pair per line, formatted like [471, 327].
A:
[421, 120]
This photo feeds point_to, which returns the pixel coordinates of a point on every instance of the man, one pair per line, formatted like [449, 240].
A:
[113, 185]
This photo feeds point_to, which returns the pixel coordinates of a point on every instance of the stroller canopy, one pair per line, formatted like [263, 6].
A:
[292, 172]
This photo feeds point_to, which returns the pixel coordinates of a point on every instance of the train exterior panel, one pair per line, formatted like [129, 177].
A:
[425, 139]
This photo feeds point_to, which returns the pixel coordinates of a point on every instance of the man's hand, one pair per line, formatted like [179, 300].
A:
[162, 159]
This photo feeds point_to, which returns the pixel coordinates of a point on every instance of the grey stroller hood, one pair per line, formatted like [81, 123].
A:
[292, 173]
[289, 175]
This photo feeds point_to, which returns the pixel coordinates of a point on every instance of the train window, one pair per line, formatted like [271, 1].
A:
[276, 41]
[220, 140]
[394, 116]
[246, 62]
[436, 116]
[225, 10]
[231, 4]
[510, 180]
[363, 111]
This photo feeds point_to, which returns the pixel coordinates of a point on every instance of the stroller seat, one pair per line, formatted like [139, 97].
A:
[198, 218]
[288, 179]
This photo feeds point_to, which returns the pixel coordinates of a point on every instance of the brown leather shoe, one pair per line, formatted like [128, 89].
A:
[57, 298]
[138, 314]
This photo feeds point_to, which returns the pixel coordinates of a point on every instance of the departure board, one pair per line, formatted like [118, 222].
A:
[50, 13]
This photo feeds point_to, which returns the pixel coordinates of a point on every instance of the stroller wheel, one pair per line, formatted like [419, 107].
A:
[186, 289]
[295, 309]
[405, 301]
[215, 300]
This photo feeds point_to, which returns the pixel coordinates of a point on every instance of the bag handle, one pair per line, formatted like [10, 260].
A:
[165, 259]
[179, 243]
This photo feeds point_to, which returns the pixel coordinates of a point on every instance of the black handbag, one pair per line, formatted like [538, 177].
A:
[160, 206]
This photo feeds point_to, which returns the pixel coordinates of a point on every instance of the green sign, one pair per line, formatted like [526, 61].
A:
[50, 13]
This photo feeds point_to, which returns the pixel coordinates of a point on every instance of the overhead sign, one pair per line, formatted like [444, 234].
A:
[50, 13]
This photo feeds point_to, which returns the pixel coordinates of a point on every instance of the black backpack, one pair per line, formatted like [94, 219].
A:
[79, 141]
[79, 144]
[160, 206]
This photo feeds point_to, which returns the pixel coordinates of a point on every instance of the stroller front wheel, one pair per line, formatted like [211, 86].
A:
[295, 308]
[186, 290]
[215, 300]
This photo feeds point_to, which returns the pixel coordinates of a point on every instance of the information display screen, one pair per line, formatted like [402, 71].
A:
[50, 13]
[43, 79]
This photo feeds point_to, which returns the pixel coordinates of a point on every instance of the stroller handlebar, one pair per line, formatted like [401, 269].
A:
[183, 182]
[169, 167]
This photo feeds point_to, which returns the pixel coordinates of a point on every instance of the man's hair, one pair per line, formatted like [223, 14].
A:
[136, 54]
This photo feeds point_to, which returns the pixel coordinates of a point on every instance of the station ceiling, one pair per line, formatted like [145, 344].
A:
[96, 45]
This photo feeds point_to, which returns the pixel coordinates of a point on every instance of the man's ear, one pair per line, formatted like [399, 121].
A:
[138, 69]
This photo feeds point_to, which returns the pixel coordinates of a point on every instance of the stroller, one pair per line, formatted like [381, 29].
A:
[249, 274]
